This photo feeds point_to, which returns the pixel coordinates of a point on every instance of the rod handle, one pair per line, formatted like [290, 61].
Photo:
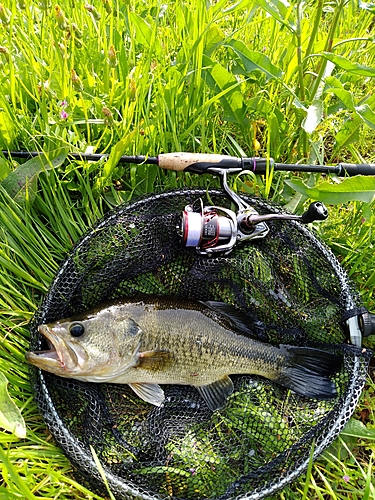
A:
[357, 169]
[196, 162]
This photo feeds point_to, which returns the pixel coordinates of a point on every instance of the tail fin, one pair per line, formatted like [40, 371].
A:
[308, 370]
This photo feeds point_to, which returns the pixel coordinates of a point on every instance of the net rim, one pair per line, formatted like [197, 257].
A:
[87, 462]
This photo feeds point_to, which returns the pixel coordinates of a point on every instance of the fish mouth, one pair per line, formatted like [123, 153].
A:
[59, 358]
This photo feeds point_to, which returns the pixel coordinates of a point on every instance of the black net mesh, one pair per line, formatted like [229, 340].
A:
[293, 291]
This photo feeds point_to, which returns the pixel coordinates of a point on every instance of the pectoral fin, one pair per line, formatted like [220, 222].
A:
[151, 393]
[216, 394]
[153, 360]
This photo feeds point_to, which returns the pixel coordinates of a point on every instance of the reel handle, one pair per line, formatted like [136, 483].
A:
[316, 211]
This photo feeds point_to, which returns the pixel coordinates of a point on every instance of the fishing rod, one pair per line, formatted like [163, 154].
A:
[200, 163]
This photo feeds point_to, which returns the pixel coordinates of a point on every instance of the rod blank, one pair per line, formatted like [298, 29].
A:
[202, 163]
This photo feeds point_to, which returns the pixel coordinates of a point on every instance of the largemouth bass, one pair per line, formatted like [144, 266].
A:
[155, 341]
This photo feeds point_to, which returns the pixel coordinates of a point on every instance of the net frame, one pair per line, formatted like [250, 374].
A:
[248, 486]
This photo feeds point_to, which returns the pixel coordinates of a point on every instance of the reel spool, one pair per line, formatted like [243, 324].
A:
[212, 229]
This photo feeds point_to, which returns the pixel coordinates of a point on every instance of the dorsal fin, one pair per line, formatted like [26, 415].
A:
[237, 318]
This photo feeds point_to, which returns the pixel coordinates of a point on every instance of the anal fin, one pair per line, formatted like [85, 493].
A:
[216, 393]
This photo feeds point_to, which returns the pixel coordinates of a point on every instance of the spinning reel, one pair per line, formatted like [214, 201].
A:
[214, 229]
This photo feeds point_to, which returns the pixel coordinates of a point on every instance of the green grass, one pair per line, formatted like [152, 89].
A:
[291, 81]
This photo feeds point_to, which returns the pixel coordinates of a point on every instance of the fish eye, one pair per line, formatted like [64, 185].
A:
[76, 330]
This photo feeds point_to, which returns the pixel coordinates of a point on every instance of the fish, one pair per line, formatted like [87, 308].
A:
[151, 341]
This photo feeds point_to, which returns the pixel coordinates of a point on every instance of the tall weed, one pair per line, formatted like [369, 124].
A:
[291, 80]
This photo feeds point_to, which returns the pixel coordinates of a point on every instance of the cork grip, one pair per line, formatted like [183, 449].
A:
[180, 161]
